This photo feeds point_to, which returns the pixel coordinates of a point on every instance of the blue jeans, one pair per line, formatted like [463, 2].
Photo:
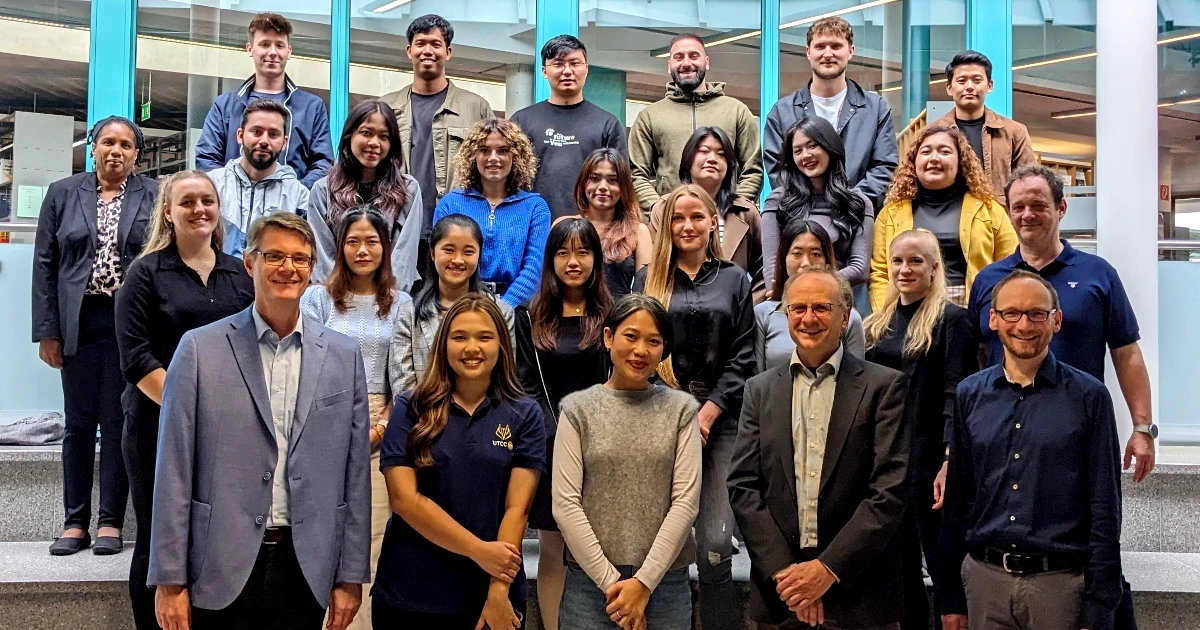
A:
[720, 602]
[582, 608]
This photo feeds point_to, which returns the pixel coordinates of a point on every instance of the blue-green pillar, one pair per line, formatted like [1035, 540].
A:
[339, 68]
[605, 87]
[915, 63]
[768, 80]
[989, 31]
[111, 62]
[554, 17]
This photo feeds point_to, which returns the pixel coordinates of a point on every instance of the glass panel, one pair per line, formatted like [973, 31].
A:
[493, 43]
[189, 52]
[1179, 121]
[1178, 303]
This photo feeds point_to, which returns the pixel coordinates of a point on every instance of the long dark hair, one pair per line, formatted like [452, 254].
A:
[425, 304]
[341, 277]
[849, 208]
[793, 229]
[430, 401]
[545, 311]
[391, 188]
[728, 189]
[620, 237]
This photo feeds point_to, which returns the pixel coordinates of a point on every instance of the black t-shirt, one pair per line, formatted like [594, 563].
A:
[422, 109]
[973, 130]
[940, 212]
[563, 136]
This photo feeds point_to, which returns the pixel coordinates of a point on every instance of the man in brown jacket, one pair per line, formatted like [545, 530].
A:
[1002, 144]
[661, 130]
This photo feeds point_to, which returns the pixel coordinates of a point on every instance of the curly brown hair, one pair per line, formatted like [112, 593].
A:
[904, 184]
[524, 163]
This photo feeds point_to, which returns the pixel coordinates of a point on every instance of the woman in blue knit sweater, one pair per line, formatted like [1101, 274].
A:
[497, 166]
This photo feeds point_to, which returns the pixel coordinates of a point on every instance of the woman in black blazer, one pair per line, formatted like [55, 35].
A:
[921, 333]
[91, 227]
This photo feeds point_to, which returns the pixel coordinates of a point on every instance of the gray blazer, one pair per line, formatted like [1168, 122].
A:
[413, 339]
[217, 454]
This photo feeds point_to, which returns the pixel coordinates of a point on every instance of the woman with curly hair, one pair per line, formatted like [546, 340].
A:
[496, 167]
[941, 187]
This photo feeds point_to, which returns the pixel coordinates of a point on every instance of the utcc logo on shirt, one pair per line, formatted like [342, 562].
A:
[504, 437]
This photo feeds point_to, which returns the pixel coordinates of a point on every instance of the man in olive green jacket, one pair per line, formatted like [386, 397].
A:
[662, 129]
[433, 114]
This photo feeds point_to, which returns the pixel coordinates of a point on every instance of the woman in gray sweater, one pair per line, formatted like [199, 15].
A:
[626, 485]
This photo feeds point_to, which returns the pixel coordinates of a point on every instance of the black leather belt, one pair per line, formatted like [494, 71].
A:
[276, 535]
[1031, 563]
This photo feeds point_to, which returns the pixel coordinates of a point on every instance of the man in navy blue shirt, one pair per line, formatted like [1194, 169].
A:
[1097, 316]
[1033, 504]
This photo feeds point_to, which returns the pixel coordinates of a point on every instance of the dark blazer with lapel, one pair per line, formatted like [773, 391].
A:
[65, 249]
[861, 497]
[217, 454]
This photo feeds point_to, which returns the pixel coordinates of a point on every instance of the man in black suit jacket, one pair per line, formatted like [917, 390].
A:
[821, 526]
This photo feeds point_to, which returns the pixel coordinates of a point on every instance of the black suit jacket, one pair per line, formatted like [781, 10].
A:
[65, 249]
[861, 497]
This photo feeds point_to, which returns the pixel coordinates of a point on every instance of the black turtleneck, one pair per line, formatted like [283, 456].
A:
[939, 211]
[889, 351]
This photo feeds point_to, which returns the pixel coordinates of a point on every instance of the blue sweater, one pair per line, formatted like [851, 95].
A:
[514, 238]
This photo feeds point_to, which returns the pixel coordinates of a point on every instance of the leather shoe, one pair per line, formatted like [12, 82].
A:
[108, 545]
[64, 546]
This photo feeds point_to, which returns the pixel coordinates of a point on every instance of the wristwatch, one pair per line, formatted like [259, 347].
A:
[1149, 429]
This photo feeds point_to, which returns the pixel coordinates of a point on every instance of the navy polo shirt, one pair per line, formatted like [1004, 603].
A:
[469, 480]
[1096, 312]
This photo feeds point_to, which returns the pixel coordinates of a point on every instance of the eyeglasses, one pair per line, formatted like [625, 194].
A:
[275, 259]
[820, 309]
[574, 65]
[1036, 315]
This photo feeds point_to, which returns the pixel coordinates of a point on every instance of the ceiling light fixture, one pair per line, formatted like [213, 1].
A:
[1091, 111]
[814, 18]
[394, 4]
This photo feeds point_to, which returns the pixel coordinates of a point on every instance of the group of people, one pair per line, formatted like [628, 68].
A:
[599, 338]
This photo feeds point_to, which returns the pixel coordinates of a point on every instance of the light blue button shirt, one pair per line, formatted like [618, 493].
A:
[281, 371]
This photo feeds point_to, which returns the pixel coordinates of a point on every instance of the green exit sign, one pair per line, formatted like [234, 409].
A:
[145, 114]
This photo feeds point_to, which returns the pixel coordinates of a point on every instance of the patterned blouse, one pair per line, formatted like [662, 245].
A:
[362, 323]
[106, 271]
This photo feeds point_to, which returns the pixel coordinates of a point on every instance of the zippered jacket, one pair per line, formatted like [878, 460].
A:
[243, 201]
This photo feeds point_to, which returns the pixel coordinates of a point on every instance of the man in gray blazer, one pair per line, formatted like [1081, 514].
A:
[262, 489]
[818, 475]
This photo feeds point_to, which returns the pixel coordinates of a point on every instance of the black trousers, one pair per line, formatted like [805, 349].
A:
[139, 445]
[919, 533]
[276, 597]
[92, 384]
[384, 617]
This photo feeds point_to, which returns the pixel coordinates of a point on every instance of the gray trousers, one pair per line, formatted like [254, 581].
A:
[997, 600]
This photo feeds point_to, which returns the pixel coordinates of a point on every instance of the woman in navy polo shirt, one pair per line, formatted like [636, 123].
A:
[462, 457]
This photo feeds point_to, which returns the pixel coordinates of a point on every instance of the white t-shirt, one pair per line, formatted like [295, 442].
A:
[830, 107]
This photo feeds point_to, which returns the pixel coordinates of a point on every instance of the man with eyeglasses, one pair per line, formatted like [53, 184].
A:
[1031, 534]
[262, 496]
[566, 128]
[819, 468]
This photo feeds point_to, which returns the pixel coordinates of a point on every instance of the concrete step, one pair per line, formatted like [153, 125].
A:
[31, 491]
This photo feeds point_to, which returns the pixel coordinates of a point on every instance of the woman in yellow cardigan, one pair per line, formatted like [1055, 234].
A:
[941, 187]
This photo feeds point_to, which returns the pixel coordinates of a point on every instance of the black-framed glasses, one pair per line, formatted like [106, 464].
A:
[820, 309]
[1037, 315]
[275, 259]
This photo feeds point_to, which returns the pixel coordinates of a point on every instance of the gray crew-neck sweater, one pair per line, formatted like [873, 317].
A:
[626, 482]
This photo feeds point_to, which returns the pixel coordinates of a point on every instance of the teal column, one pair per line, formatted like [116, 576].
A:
[339, 69]
[554, 17]
[768, 81]
[989, 31]
[111, 61]
[915, 63]
[605, 87]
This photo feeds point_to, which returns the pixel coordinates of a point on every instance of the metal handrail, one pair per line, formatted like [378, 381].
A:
[1170, 244]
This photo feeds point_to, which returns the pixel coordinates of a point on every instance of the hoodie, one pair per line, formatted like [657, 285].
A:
[243, 201]
[661, 130]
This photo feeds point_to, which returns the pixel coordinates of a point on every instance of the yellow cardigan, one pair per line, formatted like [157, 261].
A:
[984, 232]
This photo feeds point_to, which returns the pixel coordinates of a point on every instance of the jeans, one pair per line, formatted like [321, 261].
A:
[582, 608]
[720, 602]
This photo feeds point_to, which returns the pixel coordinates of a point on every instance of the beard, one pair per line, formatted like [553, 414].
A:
[1025, 350]
[825, 75]
[690, 84]
[256, 162]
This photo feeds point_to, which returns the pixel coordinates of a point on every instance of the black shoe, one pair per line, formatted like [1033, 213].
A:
[67, 546]
[108, 545]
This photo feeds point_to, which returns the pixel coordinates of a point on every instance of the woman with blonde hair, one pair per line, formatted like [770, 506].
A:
[919, 331]
[496, 167]
[941, 187]
[712, 320]
[182, 280]
[462, 456]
